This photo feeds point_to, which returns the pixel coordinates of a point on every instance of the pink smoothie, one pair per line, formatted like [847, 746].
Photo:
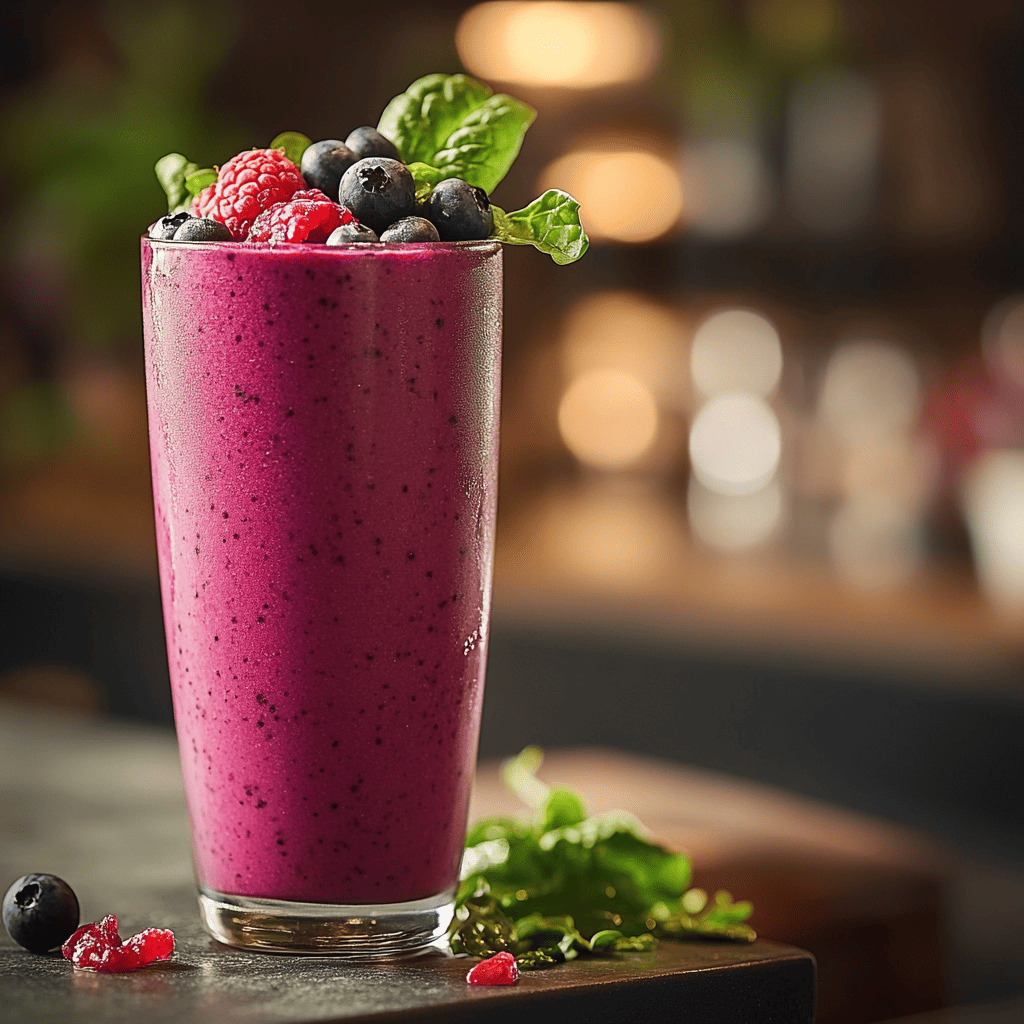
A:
[323, 429]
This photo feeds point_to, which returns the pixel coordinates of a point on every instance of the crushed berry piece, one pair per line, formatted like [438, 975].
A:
[500, 969]
[98, 947]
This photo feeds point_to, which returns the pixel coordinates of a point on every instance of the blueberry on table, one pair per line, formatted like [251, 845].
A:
[378, 191]
[40, 912]
[353, 231]
[202, 229]
[367, 141]
[411, 229]
[324, 163]
[165, 227]
[461, 212]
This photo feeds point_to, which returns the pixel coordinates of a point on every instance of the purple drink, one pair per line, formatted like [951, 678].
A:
[323, 429]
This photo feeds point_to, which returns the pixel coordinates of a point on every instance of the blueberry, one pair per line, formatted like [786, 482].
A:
[461, 212]
[165, 227]
[378, 191]
[367, 141]
[202, 229]
[40, 912]
[324, 163]
[411, 229]
[353, 231]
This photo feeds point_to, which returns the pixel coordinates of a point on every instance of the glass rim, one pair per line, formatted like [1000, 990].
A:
[485, 245]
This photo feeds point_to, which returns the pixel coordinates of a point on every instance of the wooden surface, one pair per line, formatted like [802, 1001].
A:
[101, 805]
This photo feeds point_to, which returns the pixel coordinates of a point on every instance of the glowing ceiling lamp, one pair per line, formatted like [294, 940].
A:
[558, 44]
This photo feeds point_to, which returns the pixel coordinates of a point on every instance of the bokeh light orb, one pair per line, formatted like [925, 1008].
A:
[608, 419]
[735, 444]
[736, 350]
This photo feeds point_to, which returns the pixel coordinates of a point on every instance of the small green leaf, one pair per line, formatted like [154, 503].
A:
[561, 808]
[456, 125]
[196, 181]
[171, 172]
[551, 223]
[605, 939]
[520, 775]
[293, 145]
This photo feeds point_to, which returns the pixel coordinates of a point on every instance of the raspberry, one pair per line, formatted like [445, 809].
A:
[307, 217]
[98, 947]
[247, 185]
[500, 969]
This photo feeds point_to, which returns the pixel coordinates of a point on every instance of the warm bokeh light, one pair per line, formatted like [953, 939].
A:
[612, 534]
[608, 419]
[630, 332]
[626, 195]
[1003, 338]
[870, 389]
[734, 522]
[566, 45]
[736, 350]
[735, 444]
[875, 543]
[730, 188]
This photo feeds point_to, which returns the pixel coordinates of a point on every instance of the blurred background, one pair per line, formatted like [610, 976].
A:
[762, 465]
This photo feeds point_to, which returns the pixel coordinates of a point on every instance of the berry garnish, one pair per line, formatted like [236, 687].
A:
[202, 229]
[411, 229]
[40, 912]
[247, 185]
[367, 141]
[165, 227]
[324, 163]
[500, 969]
[309, 216]
[378, 191]
[461, 212]
[353, 231]
[98, 947]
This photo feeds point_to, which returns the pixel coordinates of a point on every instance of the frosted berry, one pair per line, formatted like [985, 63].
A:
[378, 191]
[500, 969]
[165, 227]
[40, 912]
[98, 947]
[247, 185]
[411, 229]
[324, 163]
[202, 229]
[461, 212]
[353, 231]
[309, 216]
[367, 141]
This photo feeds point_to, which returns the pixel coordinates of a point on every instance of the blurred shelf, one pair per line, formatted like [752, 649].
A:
[937, 624]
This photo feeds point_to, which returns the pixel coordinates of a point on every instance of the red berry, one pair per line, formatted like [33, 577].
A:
[98, 947]
[247, 185]
[500, 969]
[309, 216]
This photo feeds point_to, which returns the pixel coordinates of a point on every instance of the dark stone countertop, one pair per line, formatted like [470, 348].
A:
[100, 804]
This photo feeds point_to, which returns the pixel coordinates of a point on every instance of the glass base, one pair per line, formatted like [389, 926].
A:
[362, 931]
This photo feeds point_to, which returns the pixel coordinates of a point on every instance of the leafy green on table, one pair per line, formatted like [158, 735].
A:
[564, 884]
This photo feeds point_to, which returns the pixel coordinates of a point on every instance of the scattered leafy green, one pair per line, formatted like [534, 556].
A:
[551, 223]
[458, 127]
[563, 884]
[293, 145]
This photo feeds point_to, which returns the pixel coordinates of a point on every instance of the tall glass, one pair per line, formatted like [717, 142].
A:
[323, 429]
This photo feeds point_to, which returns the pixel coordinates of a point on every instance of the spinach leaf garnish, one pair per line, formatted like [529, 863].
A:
[565, 885]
